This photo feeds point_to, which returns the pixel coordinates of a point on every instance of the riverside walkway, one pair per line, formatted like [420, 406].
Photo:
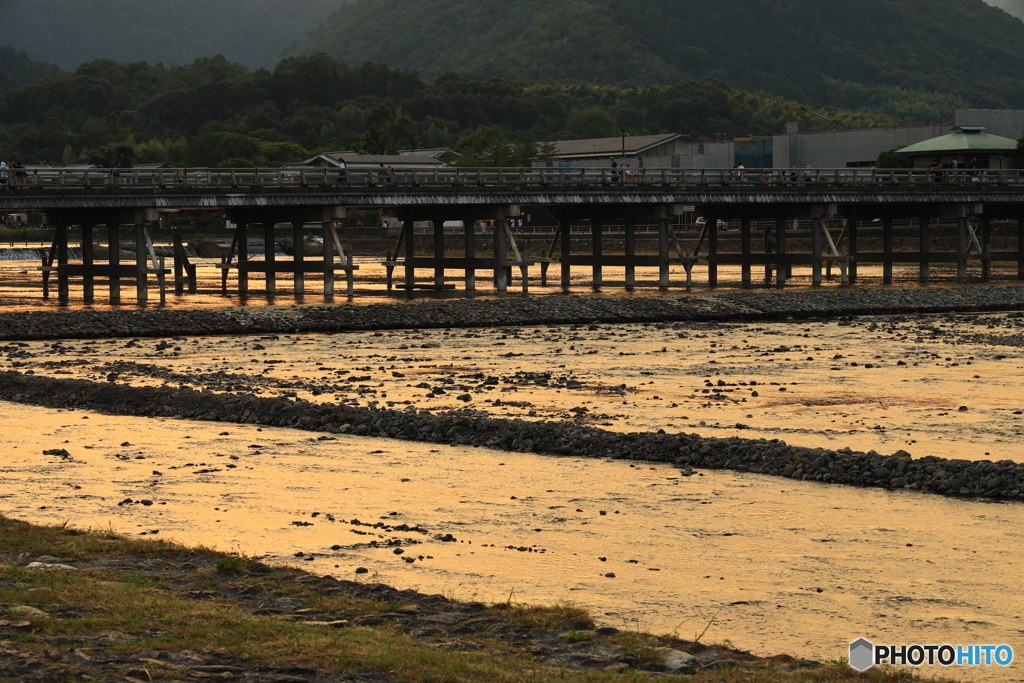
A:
[839, 206]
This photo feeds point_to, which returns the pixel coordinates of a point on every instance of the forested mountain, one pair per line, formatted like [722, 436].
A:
[1014, 7]
[834, 52]
[17, 69]
[72, 32]
[212, 112]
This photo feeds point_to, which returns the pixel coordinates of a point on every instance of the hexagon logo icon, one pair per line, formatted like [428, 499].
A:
[862, 654]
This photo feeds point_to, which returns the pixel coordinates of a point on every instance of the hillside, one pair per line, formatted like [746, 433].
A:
[17, 69]
[71, 32]
[1014, 7]
[832, 52]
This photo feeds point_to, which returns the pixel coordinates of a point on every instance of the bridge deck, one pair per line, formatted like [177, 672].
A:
[302, 196]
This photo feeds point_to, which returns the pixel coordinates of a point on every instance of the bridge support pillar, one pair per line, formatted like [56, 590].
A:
[184, 271]
[986, 248]
[88, 261]
[566, 232]
[141, 267]
[1020, 246]
[745, 249]
[816, 249]
[887, 250]
[500, 256]
[270, 256]
[712, 226]
[61, 244]
[469, 238]
[769, 248]
[782, 269]
[596, 231]
[114, 260]
[298, 239]
[961, 249]
[242, 240]
[438, 223]
[327, 232]
[664, 225]
[630, 252]
[410, 253]
[851, 240]
[924, 246]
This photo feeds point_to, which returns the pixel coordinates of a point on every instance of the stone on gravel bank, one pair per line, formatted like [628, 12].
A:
[725, 306]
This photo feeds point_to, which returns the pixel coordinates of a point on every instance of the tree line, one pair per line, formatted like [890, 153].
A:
[213, 112]
[906, 58]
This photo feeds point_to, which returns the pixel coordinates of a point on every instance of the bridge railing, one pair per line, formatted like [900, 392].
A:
[537, 178]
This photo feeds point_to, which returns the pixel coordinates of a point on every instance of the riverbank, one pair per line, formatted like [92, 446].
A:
[88, 604]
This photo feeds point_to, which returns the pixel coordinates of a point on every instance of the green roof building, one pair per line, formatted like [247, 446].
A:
[963, 144]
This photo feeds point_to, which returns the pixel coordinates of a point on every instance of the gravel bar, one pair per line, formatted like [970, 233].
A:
[739, 306]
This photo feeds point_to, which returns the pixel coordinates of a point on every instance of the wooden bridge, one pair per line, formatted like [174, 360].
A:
[851, 199]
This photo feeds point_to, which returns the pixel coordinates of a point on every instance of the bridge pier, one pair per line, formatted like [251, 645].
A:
[630, 247]
[664, 273]
[438, 227]
[58, 259]
[851, 240]
[114, 261]
[500, 256]
[924, 246]
[1020, 246]
[242, 244]
[782, 264]
[469, 238]
[88, 279]
[270, 256]
[816, 252]
[596, 226]
[745, 252]
[887, 249]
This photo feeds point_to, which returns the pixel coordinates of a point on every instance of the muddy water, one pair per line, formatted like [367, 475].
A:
[777, 565]
[21, 284]
[950, 386]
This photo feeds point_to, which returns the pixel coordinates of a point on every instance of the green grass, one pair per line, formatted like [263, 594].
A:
[135, 603]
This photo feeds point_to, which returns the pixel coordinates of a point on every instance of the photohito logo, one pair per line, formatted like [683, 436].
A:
[864, 654]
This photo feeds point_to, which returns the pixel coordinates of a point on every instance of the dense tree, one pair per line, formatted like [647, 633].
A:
[907, 58]
[17, 69]
[212, 112]
[386, 133]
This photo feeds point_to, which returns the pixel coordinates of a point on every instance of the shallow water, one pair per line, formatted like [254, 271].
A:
[21, 285]
[778, 565]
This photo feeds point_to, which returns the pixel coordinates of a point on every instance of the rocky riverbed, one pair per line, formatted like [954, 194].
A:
[726, 305]
[855, 401]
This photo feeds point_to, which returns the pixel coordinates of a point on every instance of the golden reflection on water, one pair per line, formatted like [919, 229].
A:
[21, 285]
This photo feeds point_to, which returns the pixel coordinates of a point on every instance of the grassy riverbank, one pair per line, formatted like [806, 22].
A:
[150, 609]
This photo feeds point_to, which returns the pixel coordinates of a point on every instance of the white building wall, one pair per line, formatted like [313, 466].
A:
[1007, 123]
[839, 148]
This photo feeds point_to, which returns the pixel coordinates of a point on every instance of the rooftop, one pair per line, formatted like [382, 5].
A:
[963, 139]
[597, 147]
